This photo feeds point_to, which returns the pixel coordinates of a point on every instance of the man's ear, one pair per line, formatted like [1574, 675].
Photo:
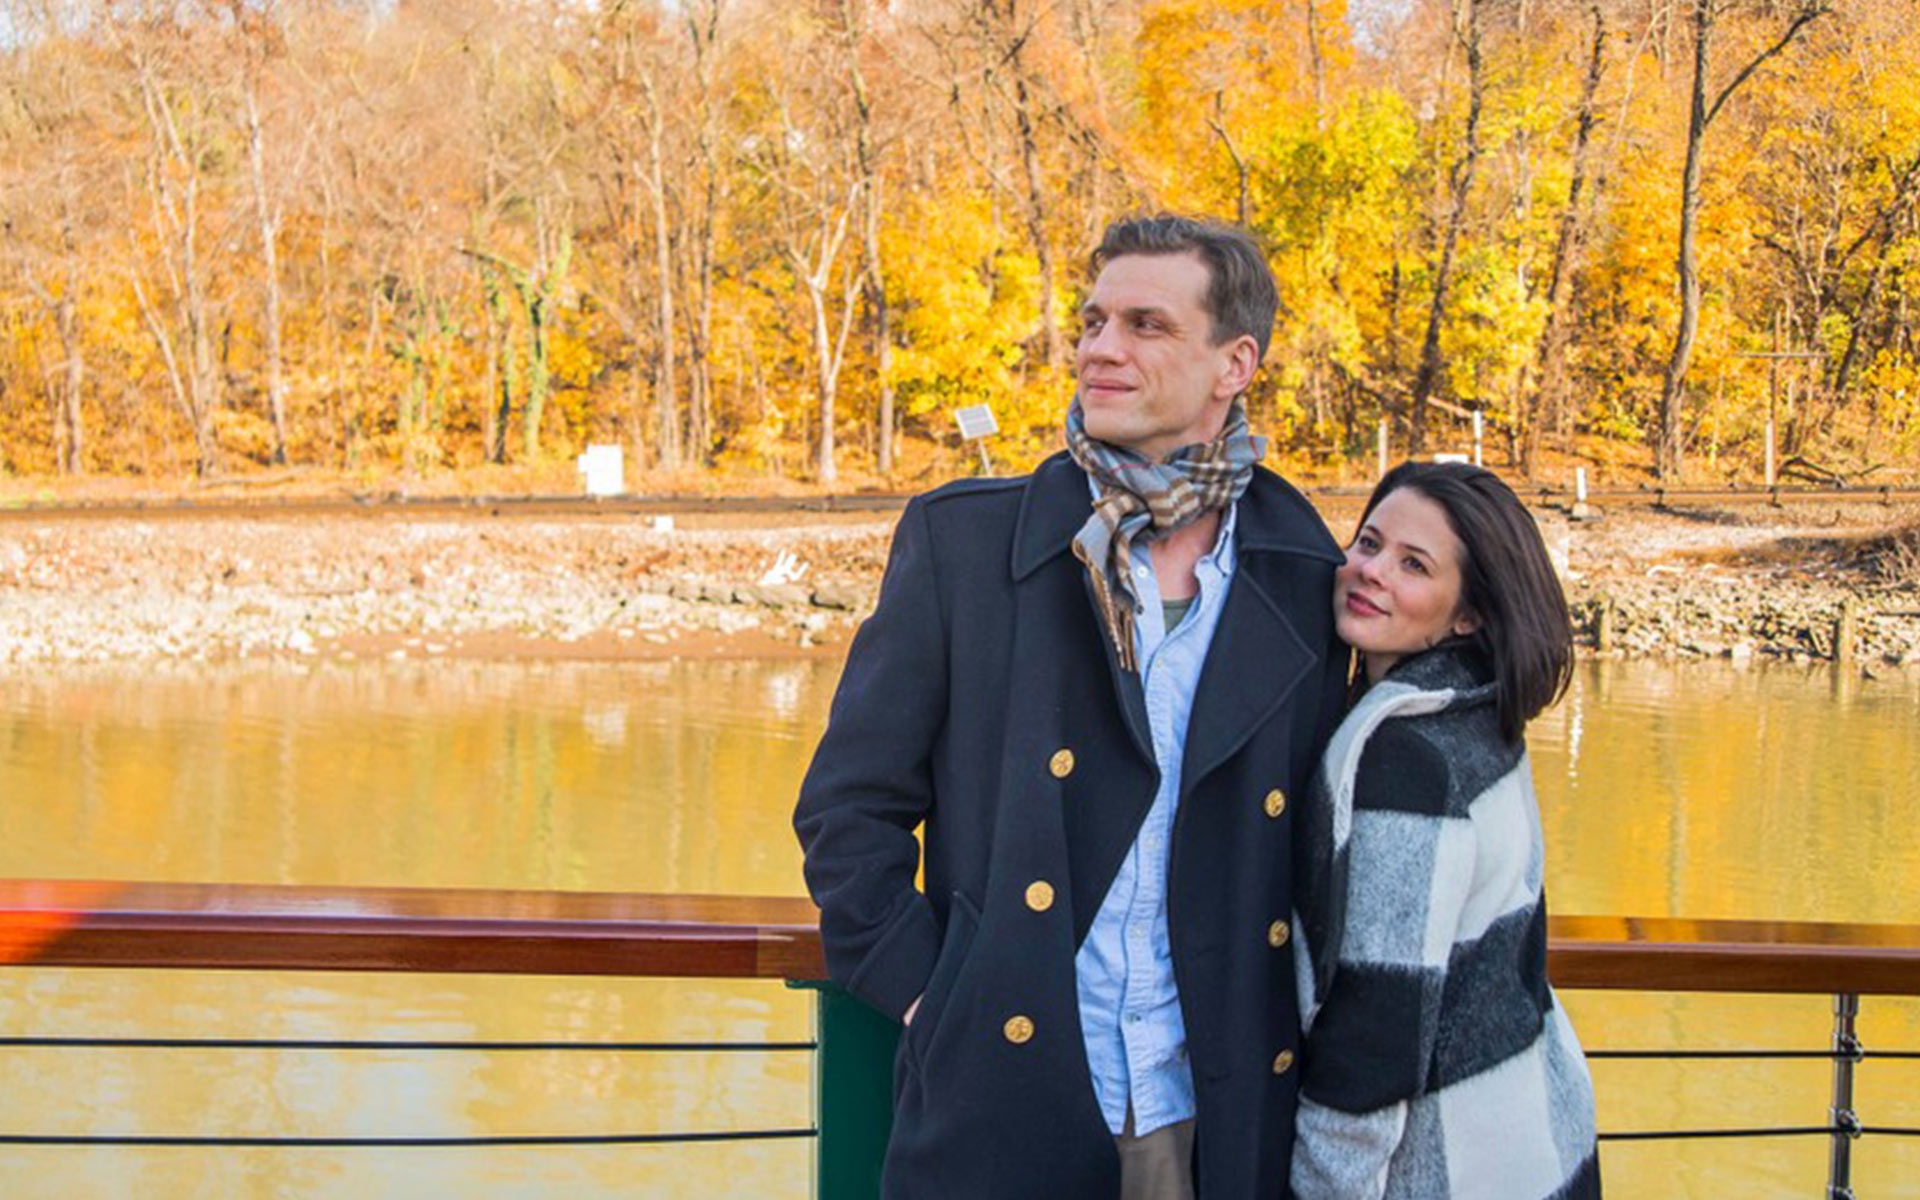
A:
[1243, 359]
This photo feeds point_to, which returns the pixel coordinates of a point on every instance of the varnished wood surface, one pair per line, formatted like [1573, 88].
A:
[94, 924]
[1673, 954]
[76, 923]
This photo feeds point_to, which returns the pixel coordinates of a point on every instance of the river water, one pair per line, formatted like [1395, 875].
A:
[1697, 790]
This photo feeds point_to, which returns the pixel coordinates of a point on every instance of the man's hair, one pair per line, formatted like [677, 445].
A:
[1506, 579]
[1240, 295]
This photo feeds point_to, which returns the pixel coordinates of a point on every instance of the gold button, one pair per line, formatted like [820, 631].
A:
[1283, 1062]
[1061, 764]
[1276, 802]
[1019, 1030]
[1039, 895]
[1277, 934]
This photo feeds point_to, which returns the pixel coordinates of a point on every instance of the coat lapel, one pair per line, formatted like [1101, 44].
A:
[1257, 657]
[1057, 503]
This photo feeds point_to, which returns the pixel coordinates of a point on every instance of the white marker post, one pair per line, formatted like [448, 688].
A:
[977, 425]
[605, 473]
[1479, 433]
[1382, 441]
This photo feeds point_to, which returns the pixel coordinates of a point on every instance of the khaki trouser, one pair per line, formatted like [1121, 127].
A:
[1158, 1166]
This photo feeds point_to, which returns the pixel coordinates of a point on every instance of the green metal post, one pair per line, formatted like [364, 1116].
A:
[852, 1094]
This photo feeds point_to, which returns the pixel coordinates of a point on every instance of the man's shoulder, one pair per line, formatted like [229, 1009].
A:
[1000, 487]
[1276, 515]
[974, 499]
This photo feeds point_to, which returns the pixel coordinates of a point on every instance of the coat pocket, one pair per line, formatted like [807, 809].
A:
[963, 920]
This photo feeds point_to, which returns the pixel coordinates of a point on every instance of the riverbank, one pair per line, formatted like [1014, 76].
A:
[1746, 583]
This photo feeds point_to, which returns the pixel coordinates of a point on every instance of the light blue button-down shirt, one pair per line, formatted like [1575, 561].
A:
[1129, 1005]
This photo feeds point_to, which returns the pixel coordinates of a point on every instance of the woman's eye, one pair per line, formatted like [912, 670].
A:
[1416, 566]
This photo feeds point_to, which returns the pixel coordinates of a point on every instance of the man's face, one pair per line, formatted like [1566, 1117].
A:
[1151, 378]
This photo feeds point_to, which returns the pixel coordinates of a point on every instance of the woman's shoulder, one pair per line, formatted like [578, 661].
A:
[1434, 763]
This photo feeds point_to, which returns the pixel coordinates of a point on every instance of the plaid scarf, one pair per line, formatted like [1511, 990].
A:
[1141, 499]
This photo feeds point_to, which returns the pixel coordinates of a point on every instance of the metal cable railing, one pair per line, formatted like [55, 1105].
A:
[278, 1141]
[73, 924]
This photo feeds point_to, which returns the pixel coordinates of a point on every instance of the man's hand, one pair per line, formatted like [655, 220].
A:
[912, 1009]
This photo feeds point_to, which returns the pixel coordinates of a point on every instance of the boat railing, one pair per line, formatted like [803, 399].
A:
[69, 923]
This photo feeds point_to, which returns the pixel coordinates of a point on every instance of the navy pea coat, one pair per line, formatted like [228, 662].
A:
[983, 704]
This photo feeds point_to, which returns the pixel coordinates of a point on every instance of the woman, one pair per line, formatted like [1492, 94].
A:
[1437, 1061]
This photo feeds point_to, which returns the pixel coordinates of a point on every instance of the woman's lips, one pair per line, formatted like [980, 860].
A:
[1360, 606]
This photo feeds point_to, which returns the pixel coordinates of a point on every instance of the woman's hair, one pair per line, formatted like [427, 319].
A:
[1507, 581]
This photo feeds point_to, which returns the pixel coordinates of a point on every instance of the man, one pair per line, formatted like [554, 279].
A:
[1098, 689]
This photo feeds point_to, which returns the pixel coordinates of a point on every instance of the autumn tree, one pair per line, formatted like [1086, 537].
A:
[1705, 105]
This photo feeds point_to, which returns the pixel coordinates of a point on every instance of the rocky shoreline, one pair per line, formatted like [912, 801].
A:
[1743, 585]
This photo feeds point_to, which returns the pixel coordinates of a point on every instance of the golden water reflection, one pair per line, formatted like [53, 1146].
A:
[1703, 790]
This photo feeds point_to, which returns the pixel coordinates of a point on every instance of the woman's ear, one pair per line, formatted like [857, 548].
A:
[1466, 622]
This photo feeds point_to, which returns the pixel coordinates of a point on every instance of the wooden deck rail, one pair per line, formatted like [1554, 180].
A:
[68, 923]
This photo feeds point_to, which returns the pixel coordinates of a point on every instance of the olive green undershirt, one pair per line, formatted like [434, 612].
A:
[1175, 611]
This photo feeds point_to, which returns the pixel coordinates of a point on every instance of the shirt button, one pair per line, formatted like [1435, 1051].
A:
[1276, 802]
[1277, 934]
[1283, 1062]
[1061, 764]
[1143, 572]
[1018, 1030]
[1039, 895]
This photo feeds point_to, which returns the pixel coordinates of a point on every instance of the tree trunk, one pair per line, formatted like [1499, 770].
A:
[703, 23]
[1666, 447]
[499, 402]
[1667, 444]
[1427, 379]
[1550, 361]
[665, 389]
[268, 222]
[1052, 349]
[72, 447]
[828, 382]
[875, 274]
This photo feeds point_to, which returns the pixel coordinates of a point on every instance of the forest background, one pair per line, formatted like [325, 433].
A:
[777, 243]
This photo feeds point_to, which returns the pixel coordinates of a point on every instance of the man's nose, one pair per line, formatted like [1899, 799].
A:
[1103, 344]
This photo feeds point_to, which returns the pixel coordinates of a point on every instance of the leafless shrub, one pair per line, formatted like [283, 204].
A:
[1895, 558]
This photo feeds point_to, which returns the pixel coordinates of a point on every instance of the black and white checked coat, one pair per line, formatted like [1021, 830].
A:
[1437, 1062]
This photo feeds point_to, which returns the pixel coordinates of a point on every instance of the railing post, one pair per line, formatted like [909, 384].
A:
[852, 1094]
[1846, 1124]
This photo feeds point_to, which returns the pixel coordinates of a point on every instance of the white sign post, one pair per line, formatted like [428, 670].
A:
[604, 471]
[1479, 432]
[1381, 442]
[977, 425]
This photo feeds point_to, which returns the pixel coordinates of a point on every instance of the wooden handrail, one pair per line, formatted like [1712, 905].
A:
[72, 923]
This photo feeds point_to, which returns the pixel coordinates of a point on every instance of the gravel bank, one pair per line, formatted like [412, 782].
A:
[1754, 582]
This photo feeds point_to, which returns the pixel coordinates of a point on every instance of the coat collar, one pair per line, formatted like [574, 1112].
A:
[1257, 658]
[1056, 503]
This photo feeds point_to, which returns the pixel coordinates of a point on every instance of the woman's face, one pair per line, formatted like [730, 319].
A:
[1399, 591]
